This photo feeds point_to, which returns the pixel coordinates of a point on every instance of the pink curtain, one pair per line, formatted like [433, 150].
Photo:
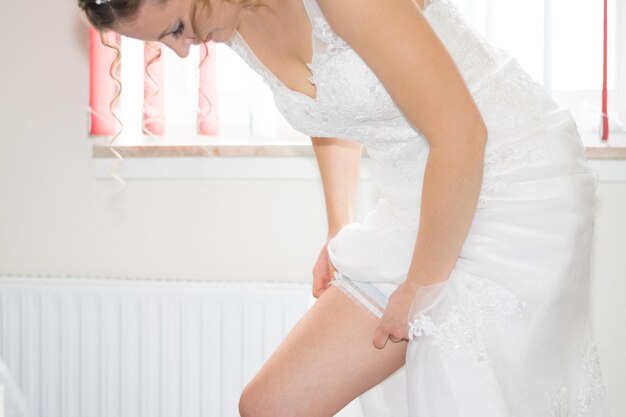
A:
[207, 101]
[604, 128]
[153, 114]
[102, 87]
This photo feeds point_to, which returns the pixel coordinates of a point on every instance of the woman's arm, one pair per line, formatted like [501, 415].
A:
[396, 41]
[338, 161]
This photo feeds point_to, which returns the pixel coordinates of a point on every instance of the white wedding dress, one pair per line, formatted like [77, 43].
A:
[508, 334]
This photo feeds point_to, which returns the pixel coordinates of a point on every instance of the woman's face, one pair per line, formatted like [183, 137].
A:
[170, 23]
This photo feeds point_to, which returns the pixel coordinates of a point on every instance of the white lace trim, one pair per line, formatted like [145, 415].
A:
[482, 302]
[589, 397]
[502, 161]
[470, 51]
[322, 30]
[357, 295]
[504, 101]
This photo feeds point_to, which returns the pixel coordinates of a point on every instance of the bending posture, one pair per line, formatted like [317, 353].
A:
[474, 266]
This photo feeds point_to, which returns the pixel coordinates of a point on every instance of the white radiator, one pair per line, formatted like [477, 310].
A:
[140, 348]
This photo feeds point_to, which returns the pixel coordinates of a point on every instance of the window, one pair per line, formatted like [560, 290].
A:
[243, 103]
[559, 42]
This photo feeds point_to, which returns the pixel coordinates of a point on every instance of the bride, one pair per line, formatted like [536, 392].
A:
[473, 270]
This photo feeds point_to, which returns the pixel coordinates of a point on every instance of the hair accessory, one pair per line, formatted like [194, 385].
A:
[99, 2]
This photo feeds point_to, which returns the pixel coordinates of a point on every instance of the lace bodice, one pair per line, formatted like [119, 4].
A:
[351, 102]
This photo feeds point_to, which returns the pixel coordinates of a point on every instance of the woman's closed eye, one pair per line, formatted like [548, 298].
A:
[179, 29]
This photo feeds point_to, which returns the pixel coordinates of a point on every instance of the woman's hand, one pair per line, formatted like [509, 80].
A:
[323, 272]
[394, 322]
[407, 300]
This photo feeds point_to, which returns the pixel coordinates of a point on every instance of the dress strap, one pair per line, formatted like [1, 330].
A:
[312, 9]
[325, 38]
[238, 44]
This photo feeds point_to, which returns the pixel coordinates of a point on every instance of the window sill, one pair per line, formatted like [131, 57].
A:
[214, 162]
[272, 161]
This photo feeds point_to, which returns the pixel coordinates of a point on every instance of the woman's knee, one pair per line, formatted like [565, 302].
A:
[247, 402]
[257, 402]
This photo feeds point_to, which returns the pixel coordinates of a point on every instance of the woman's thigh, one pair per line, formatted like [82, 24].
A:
[326, 361]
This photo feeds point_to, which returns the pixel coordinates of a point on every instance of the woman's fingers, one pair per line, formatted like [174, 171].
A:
[395, 339]
[318, 286]
[322, 274]
[386, 330]
[380, 338]
[393, 324]
[329, 264]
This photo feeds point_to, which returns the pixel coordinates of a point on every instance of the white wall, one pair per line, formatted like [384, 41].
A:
[609, 287]
[54, 218]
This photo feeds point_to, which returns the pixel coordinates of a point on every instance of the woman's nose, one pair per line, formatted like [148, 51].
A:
[181, 48]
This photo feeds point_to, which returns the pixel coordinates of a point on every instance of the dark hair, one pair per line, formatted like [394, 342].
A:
[103, 15]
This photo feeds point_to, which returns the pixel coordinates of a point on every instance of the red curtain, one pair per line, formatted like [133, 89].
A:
[153, 114]
[104, 88]
[207, 101]
[102, 85]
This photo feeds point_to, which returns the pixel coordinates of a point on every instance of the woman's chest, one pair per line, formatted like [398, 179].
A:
[347, 93]
[343, 94]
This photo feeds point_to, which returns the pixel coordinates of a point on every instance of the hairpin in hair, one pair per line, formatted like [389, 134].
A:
[99, 2]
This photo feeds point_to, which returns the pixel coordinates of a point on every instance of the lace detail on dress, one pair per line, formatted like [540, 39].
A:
[400, 158]
[468, 48]
[482, 302]
[504, 92]
[352, 103]
[322, 30]
[333, 43]
[505, 101]
[503, 161]
[591, 393]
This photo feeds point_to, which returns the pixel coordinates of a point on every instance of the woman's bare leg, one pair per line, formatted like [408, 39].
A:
[326, 361]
